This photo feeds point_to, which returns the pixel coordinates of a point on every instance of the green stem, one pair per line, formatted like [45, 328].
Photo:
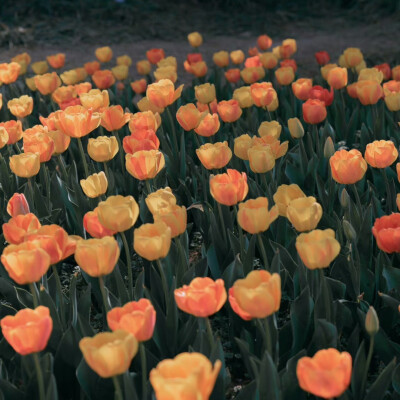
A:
[143, 362]
[106, 302]
[389, 204]
[148, 186]
[355, 192]
[209, 331]
[107, 172]
[369, 357]
[30, 188]
[39, 374]
[62, 167]
[175, 140]
[221, 218]
[85, 166]
[16, 147]
[241, 236]
[35, 297]
[316, 134]
[268, 341]
[163, 281]
[128, 264]
[118, 391]
[263, 252]
[59, 289]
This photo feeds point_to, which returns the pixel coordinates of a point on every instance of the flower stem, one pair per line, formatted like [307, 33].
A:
[128, 265]
[221, 218]
[369, 357]
[143, 362]
[62, 167]
[209, 331]
[148, 186]
[106, 301]
[59, 288]
[171, 120]
[39, 375]
[30, 189]
[263, 252]
[163, 281]
[106, 171]
[118, 391]
[35, 297]
[85, 166]
[355, 192]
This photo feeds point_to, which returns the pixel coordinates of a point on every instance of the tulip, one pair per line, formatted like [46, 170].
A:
[327, 374]
[21, 107]
[326, 69]
[284, 75]
[352, 57]
[256, 296]
[370, 74]
[124, 60]
[155, 55]
[324, 95]
[252, 75]
[371, 322]
[22, 57]
[95, 99]
[322, 57]
[118, 213]
[369, 92]
[103, 79]
[61, 141]
[97, 257]
[109, 353]
[152, 241]
[104, 54]
[25, 165]
[337, 78]
[270, 128]
[381, 153]
[120, 72]
[221, 59]
[314, 111]
[169, 73]
[170, 62]
[47, 83]
[93, 226]
[289, 63]
[208, 108]
[232, 75]
[392, 101]
[56, 60]
[92, 67]
[145, 164]
[9, 72]
[162, 198]
[263, 94]
[347, 167]
[30, 82]
[252, 62]
[229, 188]
[94, 185]
[143, 121]
[19, 226]
[301, 88]
[243, 96]
[288, 48]
[386, 231]
[304, 213]
[195, 39]
[208, 126]
[229, 110]
[4, 137]
[39, 143]
[268, 60]
[205, 93]
[64, 94]
[284, 195]
[40, 67]
[237, 56]
[296, 129]
[264, 42]
[26, 262]
[254, 217]
[198, 69]
[136, 317]
[28, 331]
[17, 205]
[318, 248]
[141, 140]
[143, 67]
[113, 118]
[139, 86]
[163, 93]
[70, 77]
[14, 130]
[173, 216]
[261, 158]
[214, 155]
[193, 372]
[241, 146]
[395, 73]
[189, 117]
[202, 297]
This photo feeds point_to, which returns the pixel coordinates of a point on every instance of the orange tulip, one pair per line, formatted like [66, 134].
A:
[208, 126]
[40, 143]
[163, 93]
[97, 257]
[144, 120]
[17, 227]
[256, 296]
[155, 55]
[327, 374]
[3, 137]
[28, 331]
[17, 205]
[104, 54]
[113, 118]
[242, 146]
[229, 188]
[143, 67]
[14, 130]
[353, 56]
[21, 106]
[252, 74]
[92, 67]
[337, 78]
[174, 216]
[95, 99]
[195, 39]
[381, 153]
[25, 165]
[232, 75]
[103, 79]
[145, 164]
[152, 241]
[264, 42]
[202, 297]
[304, 213]
[124, 60]
[193, 372]
[284, 75]
[54, 240]
[221, 59]
[141, 140]
[254, 217]
[237, 56]
[162, 198]
[318, 248]
[9, 72]
[198, 69]
[189, 117]
[289, 63]
[229, 110]
[268, 60]
[77, 121]
[288, 48]
[56, 60]
[136, 317]
[347, 166]
[47, 83]
[64, 94]
[263, 94]
[252, 62]
[284, 195]
[207, 107]
[25, 262]
[93, 226]
[205, 93]
[22, 58]
[301, 88]
[139, 86]
[386, 231]
[214, 155]
[369, 92]
[109, 353]
[314, 111]
[370, 74]
[61, 141]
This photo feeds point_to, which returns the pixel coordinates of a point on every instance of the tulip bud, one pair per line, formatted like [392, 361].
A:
[205, 93]
[349, 231]
[195, 39]
[329, 147]
[372, 322]
[344, 199]
[295, 128]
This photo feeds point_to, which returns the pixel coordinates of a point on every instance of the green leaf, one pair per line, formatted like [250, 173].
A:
[249, 392]
[269, 388]
[381, 384]
[358, 371]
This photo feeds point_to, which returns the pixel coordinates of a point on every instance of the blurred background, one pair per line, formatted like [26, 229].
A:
[76, 27]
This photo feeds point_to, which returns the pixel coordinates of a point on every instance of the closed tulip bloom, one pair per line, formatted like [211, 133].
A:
[256, 296]
[229, 188]
[162, 198]
[392, 101]
[261, 159]
[93, 226]
[326, 69]
[296, 129]
[205, 93]
[56, 60]
[322, 57]
[284, 75]
[61, 141]
[77, 121]
[337, 78]
[353, 56]
[195, 39]
[263, 94]
[25, 165]
[314, 111]
[203, 297]
[136, 317]
[163, 93]
[198, 69]
[252, 74]
[237, 56]
[319, 93]
[103, 79]
[254, 217]
[26, 262]
[381, 153]
[243, 96]
[21, 107]
[173, 216]
[386, 231]
[143, 67]
[104, 54]
[4, 138]
[221, 58]
[113, 118]
[47, 83]
[40, 143]
[289, 63]
[270, 128]
[214, 155]
[264, 42]
[120, 72]
[143, 121]
[28, 331]
[169, 72]
[208, 126]
[69, 77]
[40, 67]
[94, 185]
[370, 74]
[19, 226]
[63, 94]
[327, 374]
[97, 257]
[95, 99]
[139, 86]
[152, 241]
[155, 55]
[301, 88]
[30, 82]
[17, 205]
[92, 67]
[189, 117]
[268, 60]
[284, 195]
[141, 140]
[232, 75]
[145, 164]
[14, 130]
[318, 248]
[229, 110]
[109, 353]
[124, 60]
[253, 62]
[304, 213]
[288, 48]
[187, 376]
[347, 167]
[395, 73]
[241, 146]
[22, 57]
[9, 72]
[369, 92]
[118, 213]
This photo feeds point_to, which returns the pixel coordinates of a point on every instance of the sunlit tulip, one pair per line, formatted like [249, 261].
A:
[263, 94]
[304, 213]
[163, 93]
[19, 226]
[301, 88]
[370, 74]
[369, 92]
[21, 106]
[229, 110]
[229, 188]
[39, 142]
[208, 126]
[103, 79]
[162, 198]
[347, 167]
[189, 117]
[145, 164]
[47, 83]
[381, 153]
[386, 231]
[314, 111]
[104, 54]
[95, 99]
[141, 140]
[173, 216]
[17, 205]
[94, 185]
[25, 165]
[93, 226]
[214, 155]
